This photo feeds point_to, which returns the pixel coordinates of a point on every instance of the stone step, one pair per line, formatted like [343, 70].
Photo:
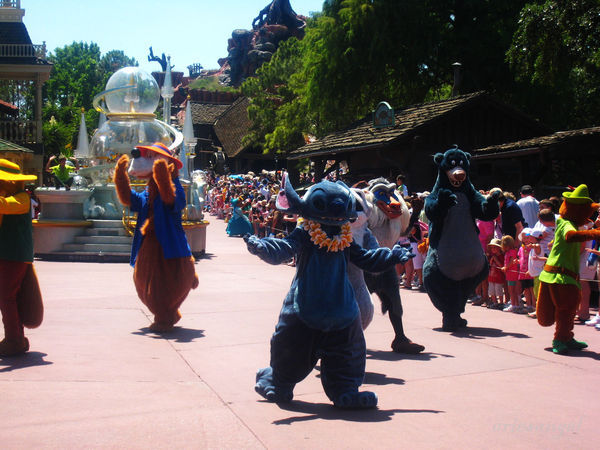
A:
[103, 239]
[109, 257]
[97, 248]
[106, 232]
[107, 224]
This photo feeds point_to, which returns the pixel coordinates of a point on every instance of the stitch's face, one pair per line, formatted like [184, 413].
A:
[329, 203]
[326, 202]
[454, 163]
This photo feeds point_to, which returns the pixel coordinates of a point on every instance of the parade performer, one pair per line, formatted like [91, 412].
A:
[320, 316]
[455, 263]
[164, 270]
[388, 220]
[560, 292]
[363, 237]
[20, 297]
[239, 224]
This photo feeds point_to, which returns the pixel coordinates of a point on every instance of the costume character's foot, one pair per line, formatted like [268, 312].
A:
[356, 400]
[264, 386]
[560, 347]
[161, 327]
[11, 347]
[453, 323]
[406, 346]
[576, 345]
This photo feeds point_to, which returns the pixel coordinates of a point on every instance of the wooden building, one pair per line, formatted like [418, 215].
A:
[549, 163]
[415, 133]
[23, 66]
[220, 123]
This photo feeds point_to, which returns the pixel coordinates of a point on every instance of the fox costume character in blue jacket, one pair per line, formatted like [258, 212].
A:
[320, 317]
[455, 262]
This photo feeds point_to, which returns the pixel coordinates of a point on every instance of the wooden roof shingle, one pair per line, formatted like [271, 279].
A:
[362, 135]
[232, 126]
[207, 113]
[535, 144]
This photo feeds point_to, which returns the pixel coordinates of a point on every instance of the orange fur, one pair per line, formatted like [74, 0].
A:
[121, 180]
[162, 284]
[579, 214]
[161, 174]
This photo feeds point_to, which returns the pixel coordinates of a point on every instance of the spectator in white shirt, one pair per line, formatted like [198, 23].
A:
[530, 207]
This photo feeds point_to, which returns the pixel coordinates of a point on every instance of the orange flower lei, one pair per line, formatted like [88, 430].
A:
[334, 244]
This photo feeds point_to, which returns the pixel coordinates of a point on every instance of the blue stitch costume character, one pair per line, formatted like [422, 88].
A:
[455, 263]
[320, 317]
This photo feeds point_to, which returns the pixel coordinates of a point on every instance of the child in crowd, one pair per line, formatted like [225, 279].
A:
[595, 320]
[496, 276]
[511, 272]
[535, 264]
[546, 225]
[486, 233]
[587, 273]
[525, 278]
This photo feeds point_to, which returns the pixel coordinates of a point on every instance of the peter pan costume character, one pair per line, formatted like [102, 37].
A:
[560, 292]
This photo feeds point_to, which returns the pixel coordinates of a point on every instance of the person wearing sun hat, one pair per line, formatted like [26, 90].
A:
[560, 294]
[20, 298]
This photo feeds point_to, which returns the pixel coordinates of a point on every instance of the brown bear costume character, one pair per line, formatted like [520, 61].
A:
[164, 270]
[560, 293]
[20, 297]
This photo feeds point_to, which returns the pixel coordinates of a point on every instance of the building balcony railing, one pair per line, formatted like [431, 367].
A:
[19, 131]
[10, 4]
[23, 50]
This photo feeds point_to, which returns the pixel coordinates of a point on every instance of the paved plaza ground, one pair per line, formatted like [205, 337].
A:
[96, 377]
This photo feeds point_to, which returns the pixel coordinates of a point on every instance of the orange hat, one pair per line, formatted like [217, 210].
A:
[159, 147]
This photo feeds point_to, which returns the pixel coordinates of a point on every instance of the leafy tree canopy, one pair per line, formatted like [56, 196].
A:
[555, 53]
[80, 72]
[356, 53]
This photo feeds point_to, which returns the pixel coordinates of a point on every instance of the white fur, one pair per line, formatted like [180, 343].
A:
[141, 167]
[385, 230]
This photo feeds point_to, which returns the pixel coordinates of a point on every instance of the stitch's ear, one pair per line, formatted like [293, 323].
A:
[287, 199]
[438, 158]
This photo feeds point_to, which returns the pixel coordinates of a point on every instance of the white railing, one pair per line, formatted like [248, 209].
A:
[10, 4]
[19, 131]
[23, 50]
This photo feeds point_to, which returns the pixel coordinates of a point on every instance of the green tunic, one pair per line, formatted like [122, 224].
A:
[563, 254]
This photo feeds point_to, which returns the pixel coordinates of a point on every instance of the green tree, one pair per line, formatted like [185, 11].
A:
[356, 53]
[278, 118]
[76, 77]
[555, 54]
[80, 72]
[111, 62]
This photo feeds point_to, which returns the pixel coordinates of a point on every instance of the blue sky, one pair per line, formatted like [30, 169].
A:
[190, 31]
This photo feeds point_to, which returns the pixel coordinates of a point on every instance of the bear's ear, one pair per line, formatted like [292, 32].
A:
[468, 156]
[438, 158]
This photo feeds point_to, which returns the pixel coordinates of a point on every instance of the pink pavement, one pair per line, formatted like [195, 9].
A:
[95, 377]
